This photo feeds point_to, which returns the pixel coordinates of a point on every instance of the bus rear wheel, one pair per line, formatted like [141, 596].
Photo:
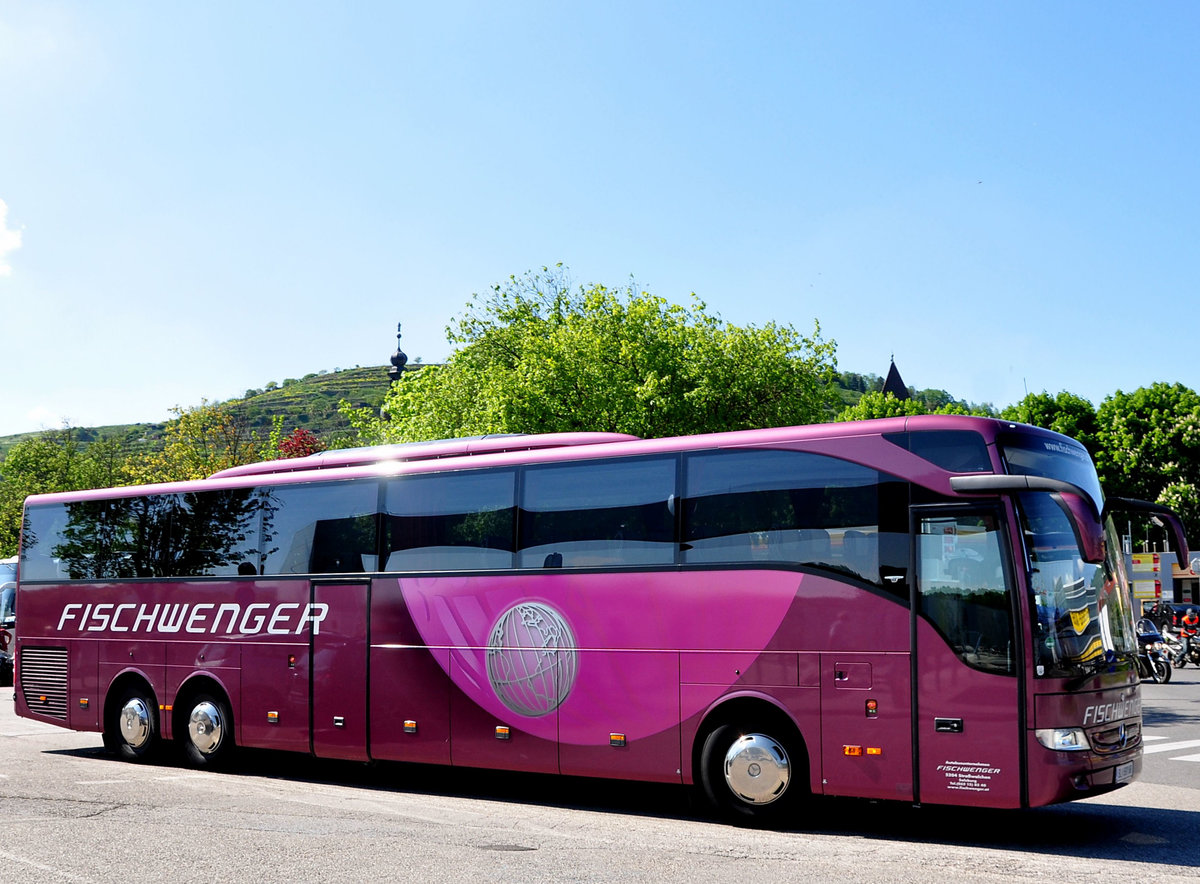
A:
[208, 737]
[131, 724]
[751, 774]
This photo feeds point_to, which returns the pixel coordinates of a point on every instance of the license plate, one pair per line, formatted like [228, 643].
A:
[1124, 772]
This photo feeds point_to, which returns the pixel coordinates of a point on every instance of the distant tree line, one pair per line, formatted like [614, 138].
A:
[536, 354]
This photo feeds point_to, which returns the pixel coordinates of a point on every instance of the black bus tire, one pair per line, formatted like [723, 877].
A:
[207, 734]
[752, 775]
[131, 724]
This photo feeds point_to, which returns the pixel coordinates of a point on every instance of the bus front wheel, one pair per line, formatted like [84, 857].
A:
[131, 725]
[751, 774]
[208, 740]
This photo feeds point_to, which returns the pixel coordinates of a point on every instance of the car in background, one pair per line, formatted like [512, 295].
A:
[1166, 615]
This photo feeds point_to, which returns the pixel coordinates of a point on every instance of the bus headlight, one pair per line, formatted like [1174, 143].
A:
[1063, 739]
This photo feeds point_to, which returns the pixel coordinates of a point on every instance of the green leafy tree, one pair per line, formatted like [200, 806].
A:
[1065, 413]
[1149, 447]
[199, 442]
[55, 460]
[536, 356]
[878, 404]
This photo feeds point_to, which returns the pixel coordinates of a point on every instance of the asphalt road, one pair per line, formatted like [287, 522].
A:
[1171, 718]
[71, 813]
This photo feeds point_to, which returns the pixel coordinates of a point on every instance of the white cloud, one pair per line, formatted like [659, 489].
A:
[10, 240]
[43, 417]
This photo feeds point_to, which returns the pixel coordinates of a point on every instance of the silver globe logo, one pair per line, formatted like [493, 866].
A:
[532, 659]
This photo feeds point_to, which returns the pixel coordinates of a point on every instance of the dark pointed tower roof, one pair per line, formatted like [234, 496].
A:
[895, 384]
[399, 359]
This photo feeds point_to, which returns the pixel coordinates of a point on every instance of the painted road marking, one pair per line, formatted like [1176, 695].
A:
[1171, 747]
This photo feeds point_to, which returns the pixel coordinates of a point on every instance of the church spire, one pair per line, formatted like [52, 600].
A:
[894, 383]
[399, 359]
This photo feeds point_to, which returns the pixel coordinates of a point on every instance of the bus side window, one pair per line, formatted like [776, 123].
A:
[860, 553]
[454, 521]
[215, 533]
[797, 508]
[963, 591]
[41, 531]
[602, 513]
[319, 529]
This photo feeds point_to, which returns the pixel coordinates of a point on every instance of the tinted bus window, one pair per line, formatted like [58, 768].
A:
[963, 588]
[597, 514]
[450, 521]
[319, 529]
[100, 539]
[164, 535]
[1028, 454]
[957, 451]
[796, 507]
[39, 535]
[1073, 625]
[216, 533]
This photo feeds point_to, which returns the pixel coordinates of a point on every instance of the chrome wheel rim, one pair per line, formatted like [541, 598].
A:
[757, 769]
[134, 722]
[205, 728]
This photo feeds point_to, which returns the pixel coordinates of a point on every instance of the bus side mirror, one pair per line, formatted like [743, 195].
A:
[1174, 526]
[1085, 523]
[1162, 516]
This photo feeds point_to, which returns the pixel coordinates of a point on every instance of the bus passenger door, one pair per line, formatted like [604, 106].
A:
[339, 669]
[966, 664]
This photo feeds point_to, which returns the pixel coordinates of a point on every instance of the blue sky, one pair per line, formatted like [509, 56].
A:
[197, 199]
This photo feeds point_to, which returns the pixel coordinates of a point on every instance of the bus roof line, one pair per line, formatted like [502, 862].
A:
[408, 451]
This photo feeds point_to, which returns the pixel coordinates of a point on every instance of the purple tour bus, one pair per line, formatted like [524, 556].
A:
[928, 609]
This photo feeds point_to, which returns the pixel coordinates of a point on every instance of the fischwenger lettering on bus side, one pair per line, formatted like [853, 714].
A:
[206, 618]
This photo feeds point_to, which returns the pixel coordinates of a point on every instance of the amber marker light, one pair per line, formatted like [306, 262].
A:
[503, 733]
[852, 751]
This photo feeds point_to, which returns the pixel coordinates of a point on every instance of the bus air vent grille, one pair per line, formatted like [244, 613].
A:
[43, 674]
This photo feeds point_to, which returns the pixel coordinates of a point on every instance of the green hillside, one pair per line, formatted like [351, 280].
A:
[310, 402]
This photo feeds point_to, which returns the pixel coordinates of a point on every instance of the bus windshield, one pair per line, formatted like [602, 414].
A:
[8, 604]
[1082, 612]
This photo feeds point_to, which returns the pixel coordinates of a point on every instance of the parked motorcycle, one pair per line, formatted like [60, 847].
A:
[1153, 664]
